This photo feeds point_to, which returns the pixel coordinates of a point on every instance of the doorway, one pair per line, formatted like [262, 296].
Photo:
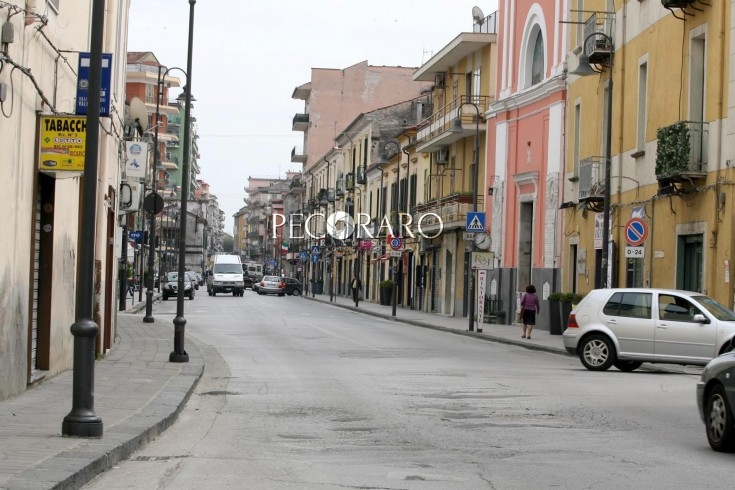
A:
[525, 245]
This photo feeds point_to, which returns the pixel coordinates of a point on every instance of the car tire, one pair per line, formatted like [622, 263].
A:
[296, 292]
[214, 293]
[597, 353]
[718, 420]
[260, 292]
[627, 366]
[165, 298]
[281, 294]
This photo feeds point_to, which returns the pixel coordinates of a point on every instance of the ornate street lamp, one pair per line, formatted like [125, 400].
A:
[585, 69]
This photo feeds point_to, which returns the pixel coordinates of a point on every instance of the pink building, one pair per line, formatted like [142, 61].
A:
[525, 148]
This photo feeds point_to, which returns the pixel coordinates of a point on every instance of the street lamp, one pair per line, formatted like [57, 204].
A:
[457, 128]
[179, 354]
[584, 69]
[82, 421]
[394, 268]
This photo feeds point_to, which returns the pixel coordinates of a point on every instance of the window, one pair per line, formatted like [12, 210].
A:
[632, 305]
[641, 120]
[537, 65]
[676, 309]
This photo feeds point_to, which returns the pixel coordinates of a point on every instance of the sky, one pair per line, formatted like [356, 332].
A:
[249, 55]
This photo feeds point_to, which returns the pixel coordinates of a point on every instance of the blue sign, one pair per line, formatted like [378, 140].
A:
[315, 258]
[83, 84]
[315, 249]
[136, 235]
[475, 222]
[303, 255]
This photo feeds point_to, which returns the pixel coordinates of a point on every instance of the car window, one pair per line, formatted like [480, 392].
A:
[716, 309]
[676, 308]
[629, 304]
[271, 278]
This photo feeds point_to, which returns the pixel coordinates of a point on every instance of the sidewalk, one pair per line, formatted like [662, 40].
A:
[506, 334]
[138, 394]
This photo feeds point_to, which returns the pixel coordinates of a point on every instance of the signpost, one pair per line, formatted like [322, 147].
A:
[636, 232]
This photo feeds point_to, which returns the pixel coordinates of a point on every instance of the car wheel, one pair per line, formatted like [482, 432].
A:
[165, 298]
[296, 292]
[627, 366]
[214, 293]
[260, 292]
[281, 294]
[718, 419]
[597, 353]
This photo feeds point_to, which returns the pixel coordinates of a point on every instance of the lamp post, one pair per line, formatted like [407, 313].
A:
[179, 354]
[82, 421]
[394, 267]
[457, 128]
[584, 69]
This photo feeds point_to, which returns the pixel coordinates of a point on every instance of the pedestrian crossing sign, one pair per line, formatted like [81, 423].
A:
[475, 222]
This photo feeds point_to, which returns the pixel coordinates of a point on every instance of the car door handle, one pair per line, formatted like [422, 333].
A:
[662, 326]
[612, 322]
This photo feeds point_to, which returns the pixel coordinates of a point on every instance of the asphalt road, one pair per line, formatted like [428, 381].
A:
[299, 394]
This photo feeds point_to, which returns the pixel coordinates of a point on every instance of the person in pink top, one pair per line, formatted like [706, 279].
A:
[529, 308]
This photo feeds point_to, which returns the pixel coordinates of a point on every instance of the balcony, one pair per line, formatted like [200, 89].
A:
[300, 122]
[681, 153]
[592, 182]
[598, 48]
[436, 132]
[451, 209]
[298, 155]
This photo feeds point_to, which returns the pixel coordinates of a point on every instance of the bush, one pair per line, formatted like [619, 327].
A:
[556, 296]
[388, 283]
[566, 297]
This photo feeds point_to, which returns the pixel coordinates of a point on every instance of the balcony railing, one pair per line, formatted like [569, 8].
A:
[598, 48]
[592, 179]
[297, 154]
[681, 153]
[452, 211]
[300, 122]
[442, 120]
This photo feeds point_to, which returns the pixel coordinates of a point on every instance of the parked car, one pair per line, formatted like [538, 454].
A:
[626, 327]
[293, 286]
[255, 286]
[199, 279]
[171, 284]
[250, 279]
[272, 285]
[716, 402]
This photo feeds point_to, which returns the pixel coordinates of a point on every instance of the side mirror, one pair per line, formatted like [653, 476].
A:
[700, 318]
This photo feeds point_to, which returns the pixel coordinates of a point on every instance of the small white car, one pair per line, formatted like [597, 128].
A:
[626, 327]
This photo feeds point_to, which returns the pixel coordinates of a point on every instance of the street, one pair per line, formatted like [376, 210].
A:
[301, 394]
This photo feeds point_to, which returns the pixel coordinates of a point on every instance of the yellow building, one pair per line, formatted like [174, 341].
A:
[670, 172]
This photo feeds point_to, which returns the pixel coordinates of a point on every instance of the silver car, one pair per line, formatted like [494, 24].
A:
[272, 285]
[626, 327]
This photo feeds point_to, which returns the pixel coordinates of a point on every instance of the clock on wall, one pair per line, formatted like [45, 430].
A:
[483, 241]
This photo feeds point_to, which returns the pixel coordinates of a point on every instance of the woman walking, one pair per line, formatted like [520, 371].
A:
[529, 308]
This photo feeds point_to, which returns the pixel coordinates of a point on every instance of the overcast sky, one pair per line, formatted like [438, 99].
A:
[249, 55]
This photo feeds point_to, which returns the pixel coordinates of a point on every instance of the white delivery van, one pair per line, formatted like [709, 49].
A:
[225, 275]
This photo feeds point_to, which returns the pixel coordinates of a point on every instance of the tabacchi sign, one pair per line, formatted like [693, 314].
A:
[342, 226]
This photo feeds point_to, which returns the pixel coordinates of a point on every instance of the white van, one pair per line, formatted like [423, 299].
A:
[225, 275]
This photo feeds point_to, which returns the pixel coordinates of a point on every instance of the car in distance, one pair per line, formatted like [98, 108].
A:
[626, 327]
[293, 286]
[170, 285]
[272, 285]
[716, 402]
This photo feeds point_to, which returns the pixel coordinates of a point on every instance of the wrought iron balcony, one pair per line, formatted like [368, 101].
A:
[436, 132]
[451, 210]
[598, 48]
[592, 180]
[681, 153]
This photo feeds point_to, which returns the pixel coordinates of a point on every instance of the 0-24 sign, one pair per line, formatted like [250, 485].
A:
[635, 252]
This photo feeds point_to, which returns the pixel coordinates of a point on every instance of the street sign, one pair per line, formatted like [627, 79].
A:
[635, 252]
[482, 260]
[315, 249]
[395, 242]
[468, 237]
[136, 235]
[636, 232]
[475, 222]
[395, 253]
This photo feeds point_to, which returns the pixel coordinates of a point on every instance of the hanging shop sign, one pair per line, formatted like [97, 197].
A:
[62, 142]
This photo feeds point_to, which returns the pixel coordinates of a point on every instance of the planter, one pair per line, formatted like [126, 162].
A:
[555, 321]
[318, 287]
[566, 309]
[386, 295]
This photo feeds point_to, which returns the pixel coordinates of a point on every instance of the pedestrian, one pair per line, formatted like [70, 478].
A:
[529, 309]
[356, 288]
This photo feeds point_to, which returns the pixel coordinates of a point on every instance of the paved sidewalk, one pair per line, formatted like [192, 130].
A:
[507, 334]
[138, 394]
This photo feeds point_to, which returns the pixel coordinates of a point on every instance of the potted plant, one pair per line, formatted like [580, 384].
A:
[568, 302]
[386, 292]
[555, 321]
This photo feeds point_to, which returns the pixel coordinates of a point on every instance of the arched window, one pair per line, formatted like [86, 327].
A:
[537, 64]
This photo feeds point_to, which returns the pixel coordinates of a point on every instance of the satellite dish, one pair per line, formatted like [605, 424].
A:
[138, 113]
[477, 15]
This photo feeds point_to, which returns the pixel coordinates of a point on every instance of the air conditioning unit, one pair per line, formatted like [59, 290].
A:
[442, 156]
[439, 80]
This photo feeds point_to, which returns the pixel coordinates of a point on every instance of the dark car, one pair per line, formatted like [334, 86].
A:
[293, 286]
[716, 402]
[170, 285]
[250, 280]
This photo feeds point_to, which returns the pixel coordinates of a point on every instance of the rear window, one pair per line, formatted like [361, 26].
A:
[272, 278]
[633, 305]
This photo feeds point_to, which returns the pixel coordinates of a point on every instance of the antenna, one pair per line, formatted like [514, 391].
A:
[477, 15]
